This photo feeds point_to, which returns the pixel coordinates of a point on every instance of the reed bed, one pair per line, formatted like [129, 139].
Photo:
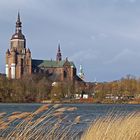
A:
[114, 128]
[52, 123]
[46, 123]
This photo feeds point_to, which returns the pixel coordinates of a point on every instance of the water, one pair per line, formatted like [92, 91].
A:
[88, 112]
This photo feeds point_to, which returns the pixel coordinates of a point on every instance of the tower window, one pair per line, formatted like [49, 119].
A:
[65, 74]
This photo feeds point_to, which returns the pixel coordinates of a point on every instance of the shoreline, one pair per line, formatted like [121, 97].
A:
[59, 102]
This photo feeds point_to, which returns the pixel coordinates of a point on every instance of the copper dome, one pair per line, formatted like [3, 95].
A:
[18, 35]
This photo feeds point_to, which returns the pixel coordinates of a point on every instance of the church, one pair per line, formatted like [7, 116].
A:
[19, 61]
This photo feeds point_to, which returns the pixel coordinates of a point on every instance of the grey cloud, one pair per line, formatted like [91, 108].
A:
[99, 34]
[126, 54]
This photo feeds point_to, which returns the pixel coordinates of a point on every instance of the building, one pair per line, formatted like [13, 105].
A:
[81, 73]
[20, 63]
[18, 57]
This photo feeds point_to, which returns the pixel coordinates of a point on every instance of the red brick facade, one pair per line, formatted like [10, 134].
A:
[18, 57]
[19, 61]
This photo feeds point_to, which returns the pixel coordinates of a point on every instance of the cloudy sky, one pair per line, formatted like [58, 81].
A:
[102, 35]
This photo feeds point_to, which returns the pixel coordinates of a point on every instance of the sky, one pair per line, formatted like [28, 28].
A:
[101, 35]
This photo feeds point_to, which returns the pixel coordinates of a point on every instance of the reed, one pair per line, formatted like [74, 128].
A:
[52, 123]
[46, 123]
[114, 128]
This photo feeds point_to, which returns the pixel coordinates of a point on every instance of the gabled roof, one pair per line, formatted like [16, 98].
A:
[50, 63]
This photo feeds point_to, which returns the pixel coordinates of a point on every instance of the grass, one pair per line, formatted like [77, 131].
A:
[114, 128]
[52, 123]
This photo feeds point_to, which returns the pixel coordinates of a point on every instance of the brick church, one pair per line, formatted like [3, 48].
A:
[19, 61]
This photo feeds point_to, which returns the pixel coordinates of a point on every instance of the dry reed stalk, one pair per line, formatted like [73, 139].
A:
[61, 109]
[67, 132]
[71, 108]
[19, 116]
[4, 125]
[23, 117]
[46, 123]
[57, 105]
[32, 127]
[2, 114]
[52, 129]
[16, 113]
[58, 114]
[77, 119]
[41, 109]
[37, 126]
[59, 132]
[1, 122]
[47, 119]
[117, 128]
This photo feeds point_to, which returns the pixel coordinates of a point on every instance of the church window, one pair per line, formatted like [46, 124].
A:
[65, 74]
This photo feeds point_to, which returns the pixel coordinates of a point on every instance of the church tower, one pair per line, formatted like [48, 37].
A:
[81, 73]
[18, 57]
[58, 56]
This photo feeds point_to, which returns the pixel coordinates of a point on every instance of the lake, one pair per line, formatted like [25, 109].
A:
[88, 112]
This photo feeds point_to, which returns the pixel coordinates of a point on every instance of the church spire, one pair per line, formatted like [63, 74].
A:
[58, 56]
[18, 19]
[18, 24]
[81, 73]
[18, 31]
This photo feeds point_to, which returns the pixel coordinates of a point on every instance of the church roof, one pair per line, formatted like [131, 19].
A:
[50, 63]
[18, 33]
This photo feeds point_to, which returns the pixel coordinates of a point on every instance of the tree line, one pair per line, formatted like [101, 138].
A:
[126, 88]
[36, 88]
[28, 89]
